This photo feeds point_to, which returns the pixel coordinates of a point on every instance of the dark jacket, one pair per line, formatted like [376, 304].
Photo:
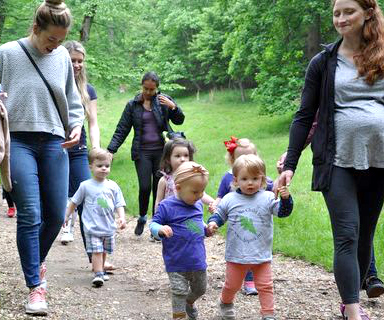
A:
[318, 95]
[133, 116]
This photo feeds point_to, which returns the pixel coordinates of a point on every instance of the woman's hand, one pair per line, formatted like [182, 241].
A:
[284, 180]
[168, 102]
[74, 138]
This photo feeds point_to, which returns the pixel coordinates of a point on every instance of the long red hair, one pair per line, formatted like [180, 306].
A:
[370, 60]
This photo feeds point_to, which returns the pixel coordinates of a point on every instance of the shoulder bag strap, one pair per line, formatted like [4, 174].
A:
[44, 80]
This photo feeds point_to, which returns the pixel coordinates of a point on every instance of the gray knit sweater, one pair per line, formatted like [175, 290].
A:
[29, 104]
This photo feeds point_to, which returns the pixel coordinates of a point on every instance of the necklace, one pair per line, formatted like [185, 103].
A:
[147, 106]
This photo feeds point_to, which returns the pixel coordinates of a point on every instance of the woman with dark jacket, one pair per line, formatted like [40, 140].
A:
[345, 84]
[147, 114]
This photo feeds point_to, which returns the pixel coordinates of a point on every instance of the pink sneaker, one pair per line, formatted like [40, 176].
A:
[11, 212]
[363, 314]
[43, 279]
[36, 302]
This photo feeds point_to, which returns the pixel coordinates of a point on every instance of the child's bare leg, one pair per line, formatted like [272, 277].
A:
[104, 259]
[97, 262]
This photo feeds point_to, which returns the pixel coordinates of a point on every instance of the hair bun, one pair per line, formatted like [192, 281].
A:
[54, 2]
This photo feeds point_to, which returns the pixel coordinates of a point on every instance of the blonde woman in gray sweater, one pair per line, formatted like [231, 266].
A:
[43, 124]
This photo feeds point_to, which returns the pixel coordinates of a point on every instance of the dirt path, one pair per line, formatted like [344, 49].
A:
[139, 288]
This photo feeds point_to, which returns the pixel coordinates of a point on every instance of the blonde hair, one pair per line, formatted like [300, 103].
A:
[188, 170]
[253, 164]
[99, 154]
[81, 79]
[243, 143]
[52, 12]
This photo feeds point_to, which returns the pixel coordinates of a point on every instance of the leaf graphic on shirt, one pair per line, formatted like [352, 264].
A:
[193, 226]
[102, 203]
[247, 224]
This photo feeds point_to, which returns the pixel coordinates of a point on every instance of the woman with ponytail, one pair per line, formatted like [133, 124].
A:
[345, 84]
[45, 119]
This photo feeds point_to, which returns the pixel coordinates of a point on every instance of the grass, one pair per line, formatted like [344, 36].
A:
[211, 120]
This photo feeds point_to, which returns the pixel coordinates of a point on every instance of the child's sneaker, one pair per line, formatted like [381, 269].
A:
[226, 311]
[268, 318]
[249, 289]
[43, 279]
[105, 276]
[36, 304]
[191, 311]
[11, 212]
[98, 280]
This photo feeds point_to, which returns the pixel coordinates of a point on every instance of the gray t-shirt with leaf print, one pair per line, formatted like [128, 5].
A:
[100, 201]
[249, 226]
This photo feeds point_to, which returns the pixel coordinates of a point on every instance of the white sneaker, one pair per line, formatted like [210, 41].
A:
[98, 281]
[36, 302]
[105, 276]
[66, 237]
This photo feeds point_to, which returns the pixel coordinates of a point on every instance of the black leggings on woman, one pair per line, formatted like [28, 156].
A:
[354, 202]
[147, 168]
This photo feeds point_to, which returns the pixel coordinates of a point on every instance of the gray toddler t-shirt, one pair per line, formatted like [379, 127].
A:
[100, 200]
[359, 119]
[249, 226]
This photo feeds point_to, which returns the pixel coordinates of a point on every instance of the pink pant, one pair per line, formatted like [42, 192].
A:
[262, 276]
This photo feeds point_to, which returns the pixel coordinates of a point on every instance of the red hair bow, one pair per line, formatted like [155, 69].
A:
[231, 145]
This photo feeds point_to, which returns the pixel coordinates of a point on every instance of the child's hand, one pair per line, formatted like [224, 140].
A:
[212, 207]
[166, 231]
[212, 228]
[67, 215]
[284, 192]
[122, 223]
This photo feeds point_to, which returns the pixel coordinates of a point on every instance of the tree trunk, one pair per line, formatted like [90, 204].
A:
[313, 38]
[86, 26]
[2, 16]
[242, 91]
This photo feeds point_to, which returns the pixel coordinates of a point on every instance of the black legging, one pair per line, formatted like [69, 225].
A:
[354, 202]
[147, 168]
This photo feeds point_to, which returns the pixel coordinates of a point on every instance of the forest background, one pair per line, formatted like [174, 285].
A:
[226, 62]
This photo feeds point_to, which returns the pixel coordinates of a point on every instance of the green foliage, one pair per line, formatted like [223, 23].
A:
[197, 44]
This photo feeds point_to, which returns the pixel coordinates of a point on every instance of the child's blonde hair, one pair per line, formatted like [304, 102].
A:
[99, 154]
[253, 164]
[188, 170]
[236, 144]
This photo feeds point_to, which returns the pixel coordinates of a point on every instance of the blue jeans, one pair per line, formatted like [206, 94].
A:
[39, 173]
[78, 172]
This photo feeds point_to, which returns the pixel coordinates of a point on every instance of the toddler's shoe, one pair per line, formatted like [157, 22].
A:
[226, 311]
[268, 318]
[11, 212]
[191, 311]
[37, 304]
[249, 289]
[105, 276]
[43, 279]
[374, 287]
[98, 280]
[140, 226]
[363, 314]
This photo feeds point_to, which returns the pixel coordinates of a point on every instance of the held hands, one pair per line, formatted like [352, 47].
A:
[166, 231]
[168, 102]
[121, 223]
[212, 228]
[284, 192]
[284, 180]
[280, 163]
[212, 207]
[74, 138]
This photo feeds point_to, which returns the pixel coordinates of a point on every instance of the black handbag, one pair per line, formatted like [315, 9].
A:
[45, 82]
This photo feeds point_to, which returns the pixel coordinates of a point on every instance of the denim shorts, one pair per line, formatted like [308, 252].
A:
[96, 244]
